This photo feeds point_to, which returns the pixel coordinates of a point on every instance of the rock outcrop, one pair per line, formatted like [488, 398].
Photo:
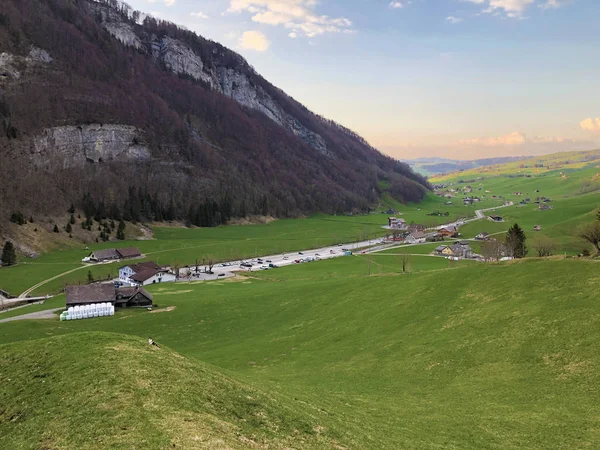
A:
[78, 145]
[179, 58]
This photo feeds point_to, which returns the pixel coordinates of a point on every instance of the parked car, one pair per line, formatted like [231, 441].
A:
[285, 258]
[264, 267]
[331, 252]
[273, 265]
[221, 275]
[298, 261]
[300, 253]
[268, 260]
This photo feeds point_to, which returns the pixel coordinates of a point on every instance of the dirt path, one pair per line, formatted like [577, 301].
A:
[47, 314]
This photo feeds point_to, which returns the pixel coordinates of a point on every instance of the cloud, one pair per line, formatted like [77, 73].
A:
[395, 5]
[254, 40]
[170, 2]
[199, 15]
[514, 138]
[453, 19]
[515, 8]
[298, 16]
[590, 124]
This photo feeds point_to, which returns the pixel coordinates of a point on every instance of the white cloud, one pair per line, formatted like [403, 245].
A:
[395, 5]
[591, 124]
[453, 19]
[199, 15]
[514, 138]
[548, 4]
[170, 2]
[515, 8]
[254, 40]
[298, 16]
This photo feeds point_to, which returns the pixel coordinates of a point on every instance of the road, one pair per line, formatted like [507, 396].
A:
[479, 214]
[283, 259]
[47, 314]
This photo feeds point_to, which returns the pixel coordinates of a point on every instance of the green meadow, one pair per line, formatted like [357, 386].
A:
[466, 356]
[178, 245]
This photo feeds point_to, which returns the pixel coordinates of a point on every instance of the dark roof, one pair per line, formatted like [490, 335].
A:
[439, 248]
[90, 293]
[108, 253]
[129, 252]
[418, 234]
[146, 265]
[128, 292]
[143, 275]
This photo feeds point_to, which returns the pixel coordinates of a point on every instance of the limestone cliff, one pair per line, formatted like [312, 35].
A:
[78, 145]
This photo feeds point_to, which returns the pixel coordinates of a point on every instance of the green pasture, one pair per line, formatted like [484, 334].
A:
[480, 356]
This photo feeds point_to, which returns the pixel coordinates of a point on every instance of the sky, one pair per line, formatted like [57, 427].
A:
[460, 79]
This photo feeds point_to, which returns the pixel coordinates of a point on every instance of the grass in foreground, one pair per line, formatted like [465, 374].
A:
[101, 390]
[483, 356]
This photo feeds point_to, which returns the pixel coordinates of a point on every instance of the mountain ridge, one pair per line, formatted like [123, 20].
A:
[201, 125]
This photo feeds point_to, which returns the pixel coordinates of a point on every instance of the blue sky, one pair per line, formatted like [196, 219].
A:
[452, 78]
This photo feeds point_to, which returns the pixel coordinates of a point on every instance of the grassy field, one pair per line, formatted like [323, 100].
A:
[102, 390]
[185, 245]
[474, 356]
[570, 180]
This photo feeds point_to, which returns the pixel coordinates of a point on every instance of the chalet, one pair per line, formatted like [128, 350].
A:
[544, 207]
[496, 218]
[448, 231]
[129, 252]
[416, 237]
[537, 228]
[483, 236]
[107, 254]
[394, 222]
[459, 250]
[441, 249]
[413, 227]
[145, 273]
[106, 293]
[132, 297]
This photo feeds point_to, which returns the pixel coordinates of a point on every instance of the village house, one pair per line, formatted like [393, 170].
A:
[129, 252]
[416, 227]
[448, 231]
[106, 293]
[416, 237]
[394, 222]
[537, 228]
[496, 218]
[108, 254]
[483, 236]
[544, 207]
[145, 273]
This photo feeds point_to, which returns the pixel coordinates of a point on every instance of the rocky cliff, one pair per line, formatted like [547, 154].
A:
[77, 145]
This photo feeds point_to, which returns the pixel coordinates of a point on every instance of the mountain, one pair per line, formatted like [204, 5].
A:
[441, 166]
[147, 120]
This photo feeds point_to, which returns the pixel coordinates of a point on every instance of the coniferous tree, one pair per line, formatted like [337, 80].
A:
[68, 228]
[121, 231]
[9, 256]
[90, 277]
[56, 230]
[515, 241]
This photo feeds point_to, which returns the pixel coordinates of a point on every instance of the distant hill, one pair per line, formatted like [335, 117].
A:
[157, 123]
[530, 165]
[435, 166]
[103, 390]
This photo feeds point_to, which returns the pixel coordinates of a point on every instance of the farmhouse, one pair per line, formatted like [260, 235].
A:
[145, 273]
[106, 293]
[496, 218]
[90, 293]
[416, 237]
[483, 236]
[132, 297]
[394, 222]
[544, 207]
[107, 254]
[537, 228]
[416, 227]
[129, 252]
[448, 231]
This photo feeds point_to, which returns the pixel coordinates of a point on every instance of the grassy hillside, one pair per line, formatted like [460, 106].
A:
[101, 390]
[481, 356]
[570, 180]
